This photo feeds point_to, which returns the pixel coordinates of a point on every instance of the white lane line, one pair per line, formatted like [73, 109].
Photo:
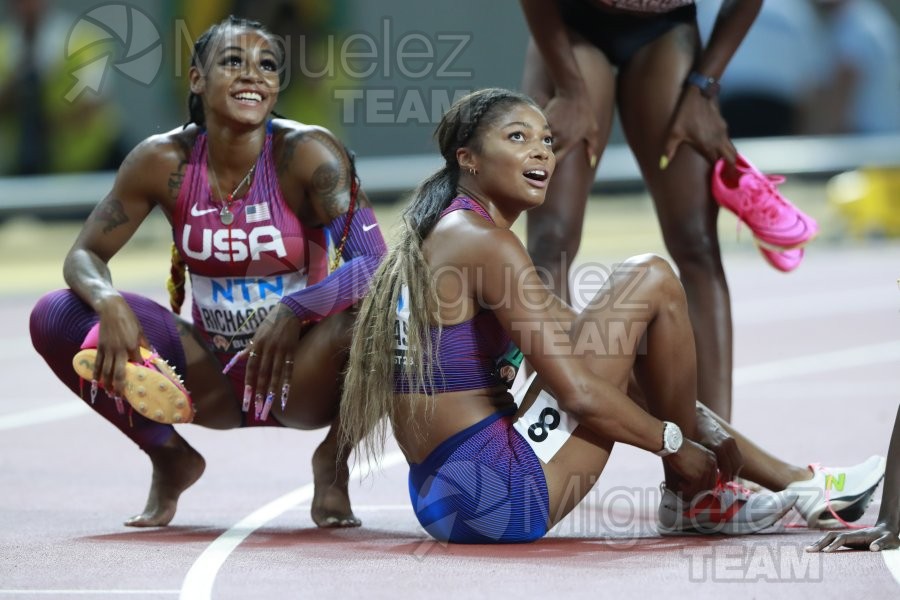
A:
[47, 414]
[892, 562]
[364, 507]
[198, 582]
[88, 592]
[817, 305]
[861, 356]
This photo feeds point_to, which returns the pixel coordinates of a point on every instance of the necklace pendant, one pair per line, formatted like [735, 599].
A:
[226, 216]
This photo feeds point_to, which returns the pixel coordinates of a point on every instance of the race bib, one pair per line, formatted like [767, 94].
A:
[401, 329]
[230, 309]
[544, 425]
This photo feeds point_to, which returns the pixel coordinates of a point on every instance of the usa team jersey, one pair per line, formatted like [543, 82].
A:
[240, 271]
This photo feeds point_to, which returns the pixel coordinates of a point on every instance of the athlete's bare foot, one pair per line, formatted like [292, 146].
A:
[176, 466]
[331, 501]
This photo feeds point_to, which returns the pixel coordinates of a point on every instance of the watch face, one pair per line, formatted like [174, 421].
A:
[673, 437]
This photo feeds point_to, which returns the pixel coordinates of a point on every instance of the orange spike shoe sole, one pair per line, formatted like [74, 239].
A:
[153, 388]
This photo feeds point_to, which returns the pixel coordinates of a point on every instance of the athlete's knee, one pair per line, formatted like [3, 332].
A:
[50, 319]
[695, 248]
[650, 268]
[657, 279]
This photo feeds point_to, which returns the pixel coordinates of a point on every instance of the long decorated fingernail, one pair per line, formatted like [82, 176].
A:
[248, 394]
[258, 401]
[270, 398]
[285, 392]
[232, 362]
[93, 390]
[120, 406]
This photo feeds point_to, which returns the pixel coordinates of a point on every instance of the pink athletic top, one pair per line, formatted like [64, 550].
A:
[240, 271]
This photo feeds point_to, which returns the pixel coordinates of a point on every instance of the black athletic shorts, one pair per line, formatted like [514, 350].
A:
[617, 34]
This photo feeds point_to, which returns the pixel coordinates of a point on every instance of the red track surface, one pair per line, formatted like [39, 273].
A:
[816, 353]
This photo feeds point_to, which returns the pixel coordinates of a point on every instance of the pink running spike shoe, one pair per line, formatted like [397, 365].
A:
[785, 260]
[152, 387]
[776, 223]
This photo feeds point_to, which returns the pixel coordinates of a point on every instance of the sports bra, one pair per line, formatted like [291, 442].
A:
[474, 354]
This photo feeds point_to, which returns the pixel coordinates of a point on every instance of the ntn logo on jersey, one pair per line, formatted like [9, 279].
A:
[249, 291]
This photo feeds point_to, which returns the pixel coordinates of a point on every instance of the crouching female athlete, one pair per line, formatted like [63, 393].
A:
[440, 334]
[250, 200]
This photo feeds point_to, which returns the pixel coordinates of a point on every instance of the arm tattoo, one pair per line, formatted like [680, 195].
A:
[111, 213]
[176, 178]
[331, 179]
[326, 182]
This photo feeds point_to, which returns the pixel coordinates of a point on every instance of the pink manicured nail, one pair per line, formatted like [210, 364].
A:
[248, 394]
[270, 398]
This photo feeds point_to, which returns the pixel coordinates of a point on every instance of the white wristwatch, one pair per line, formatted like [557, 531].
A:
[672, 439]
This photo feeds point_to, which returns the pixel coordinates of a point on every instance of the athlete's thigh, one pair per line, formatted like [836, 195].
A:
[571, 455]
[317, 373]
[610, 333]
[215, 401]
[649, 89]
[568, 191]
[595, 70]
[650, 85]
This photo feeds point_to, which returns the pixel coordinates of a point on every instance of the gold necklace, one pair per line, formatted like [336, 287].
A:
[225, 214]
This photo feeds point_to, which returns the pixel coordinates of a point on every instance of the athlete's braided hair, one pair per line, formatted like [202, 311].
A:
[368, 394]
[175, 285]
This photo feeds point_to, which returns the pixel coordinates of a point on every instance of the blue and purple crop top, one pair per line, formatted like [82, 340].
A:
[474, 354]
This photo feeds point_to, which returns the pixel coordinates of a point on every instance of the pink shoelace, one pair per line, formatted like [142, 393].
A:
[819, 467]
[734, 486]
[771, 210]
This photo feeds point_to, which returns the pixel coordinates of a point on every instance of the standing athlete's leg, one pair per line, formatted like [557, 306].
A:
[554, 228]
[649, 87]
